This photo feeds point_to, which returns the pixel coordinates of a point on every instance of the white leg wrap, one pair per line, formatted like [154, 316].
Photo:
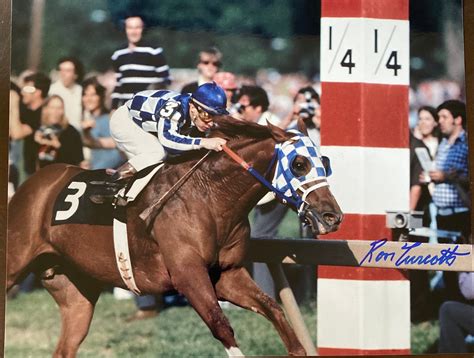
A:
[234, 352]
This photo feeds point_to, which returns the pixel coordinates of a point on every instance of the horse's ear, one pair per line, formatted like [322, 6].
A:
[277, 133]
[302, 127]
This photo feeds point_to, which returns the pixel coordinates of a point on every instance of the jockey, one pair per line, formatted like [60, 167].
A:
[156, 123]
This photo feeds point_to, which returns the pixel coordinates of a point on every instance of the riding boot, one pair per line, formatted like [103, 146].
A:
[118, 180]
[124, 172]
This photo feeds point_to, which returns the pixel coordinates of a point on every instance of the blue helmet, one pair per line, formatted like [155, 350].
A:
[211, 98]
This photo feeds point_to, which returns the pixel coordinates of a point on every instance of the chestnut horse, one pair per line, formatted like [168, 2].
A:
[196, 245]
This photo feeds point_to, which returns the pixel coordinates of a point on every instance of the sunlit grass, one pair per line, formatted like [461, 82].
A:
[32, 330]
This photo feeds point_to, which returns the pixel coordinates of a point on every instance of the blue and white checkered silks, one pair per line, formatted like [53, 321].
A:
[286, 182]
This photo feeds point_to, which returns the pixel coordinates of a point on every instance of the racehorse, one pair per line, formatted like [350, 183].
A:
[196, 244]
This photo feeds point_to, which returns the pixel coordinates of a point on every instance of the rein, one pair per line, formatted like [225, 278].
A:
[297, 201]
[258, 176]
[150, 213]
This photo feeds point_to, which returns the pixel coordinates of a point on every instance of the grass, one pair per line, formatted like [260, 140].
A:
[32, 330]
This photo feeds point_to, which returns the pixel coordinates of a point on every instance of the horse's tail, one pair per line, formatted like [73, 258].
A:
[29, 215]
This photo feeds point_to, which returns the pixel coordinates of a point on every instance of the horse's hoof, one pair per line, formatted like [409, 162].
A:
[299, 352]
[141, 315]
[234, 352]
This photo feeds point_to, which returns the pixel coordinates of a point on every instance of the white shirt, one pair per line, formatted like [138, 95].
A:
[72, 98]
[466, 284]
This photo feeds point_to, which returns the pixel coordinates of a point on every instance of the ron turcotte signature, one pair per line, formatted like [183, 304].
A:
[379, 252]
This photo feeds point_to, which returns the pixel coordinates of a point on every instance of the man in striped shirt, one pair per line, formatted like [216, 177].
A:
[137, 66]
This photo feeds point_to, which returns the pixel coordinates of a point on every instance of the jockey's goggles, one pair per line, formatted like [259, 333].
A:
[205, 113]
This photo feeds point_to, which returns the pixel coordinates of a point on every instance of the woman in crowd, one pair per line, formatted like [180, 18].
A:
[425, 135]
[427, 128]
[96, 130]
[59, 141]
[427, 132]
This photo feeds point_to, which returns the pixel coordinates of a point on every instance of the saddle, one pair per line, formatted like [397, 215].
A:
[74, 204]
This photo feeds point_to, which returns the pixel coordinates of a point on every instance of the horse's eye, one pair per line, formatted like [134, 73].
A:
[300, 166]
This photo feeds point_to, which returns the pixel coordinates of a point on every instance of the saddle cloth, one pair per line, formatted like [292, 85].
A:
[72, 205]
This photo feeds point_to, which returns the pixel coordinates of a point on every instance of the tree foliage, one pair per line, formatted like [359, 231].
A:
[252, 34]
[244, 30]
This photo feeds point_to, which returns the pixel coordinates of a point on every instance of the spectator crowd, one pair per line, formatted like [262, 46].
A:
[67, 121]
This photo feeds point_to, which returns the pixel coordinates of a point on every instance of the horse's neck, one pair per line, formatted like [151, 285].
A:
[240, 191]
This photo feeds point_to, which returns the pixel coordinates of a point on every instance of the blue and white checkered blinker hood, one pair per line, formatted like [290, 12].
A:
[286, 182]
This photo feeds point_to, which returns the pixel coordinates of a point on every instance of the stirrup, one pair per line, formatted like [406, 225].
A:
[119, 201]
[114, 200]
[102, 198]
[105, 193]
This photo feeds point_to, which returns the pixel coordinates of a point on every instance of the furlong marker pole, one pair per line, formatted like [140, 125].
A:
[364, 130]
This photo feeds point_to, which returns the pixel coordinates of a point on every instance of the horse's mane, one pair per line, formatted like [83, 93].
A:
[238, 128]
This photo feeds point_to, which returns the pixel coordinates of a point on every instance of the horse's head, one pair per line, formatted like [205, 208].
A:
[300, 175]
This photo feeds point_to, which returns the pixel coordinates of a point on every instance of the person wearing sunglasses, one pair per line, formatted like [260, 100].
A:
[155, 124]
[209, 63]
[33, 94]
[252, 105]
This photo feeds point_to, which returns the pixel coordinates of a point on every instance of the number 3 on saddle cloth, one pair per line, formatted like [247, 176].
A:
[73, 204]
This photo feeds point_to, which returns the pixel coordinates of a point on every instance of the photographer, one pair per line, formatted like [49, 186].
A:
[59, 141]
[306, 105]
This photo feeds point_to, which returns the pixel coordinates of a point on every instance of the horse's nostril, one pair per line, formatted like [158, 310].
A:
[331, 219]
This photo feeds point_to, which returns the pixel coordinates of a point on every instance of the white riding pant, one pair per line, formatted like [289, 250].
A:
[142, 148]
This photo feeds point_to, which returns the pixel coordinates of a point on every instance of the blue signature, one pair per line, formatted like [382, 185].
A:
[446, 256]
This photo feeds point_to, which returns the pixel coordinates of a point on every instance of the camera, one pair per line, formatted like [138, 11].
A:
[308, 108]
[48, 131]
[403, 219]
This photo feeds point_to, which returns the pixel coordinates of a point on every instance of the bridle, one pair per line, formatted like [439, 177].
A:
[285, 184]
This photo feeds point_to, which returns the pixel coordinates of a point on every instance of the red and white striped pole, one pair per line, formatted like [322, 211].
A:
[365, 78]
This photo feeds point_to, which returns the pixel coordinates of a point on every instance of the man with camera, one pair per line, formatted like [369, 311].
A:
[306, 105]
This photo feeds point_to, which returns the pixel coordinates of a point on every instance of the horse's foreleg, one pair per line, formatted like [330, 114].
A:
[76, 296]
[237, 286]
[193, 281]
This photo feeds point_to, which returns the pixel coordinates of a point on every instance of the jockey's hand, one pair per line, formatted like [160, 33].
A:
[437, 176]
[213, 143]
